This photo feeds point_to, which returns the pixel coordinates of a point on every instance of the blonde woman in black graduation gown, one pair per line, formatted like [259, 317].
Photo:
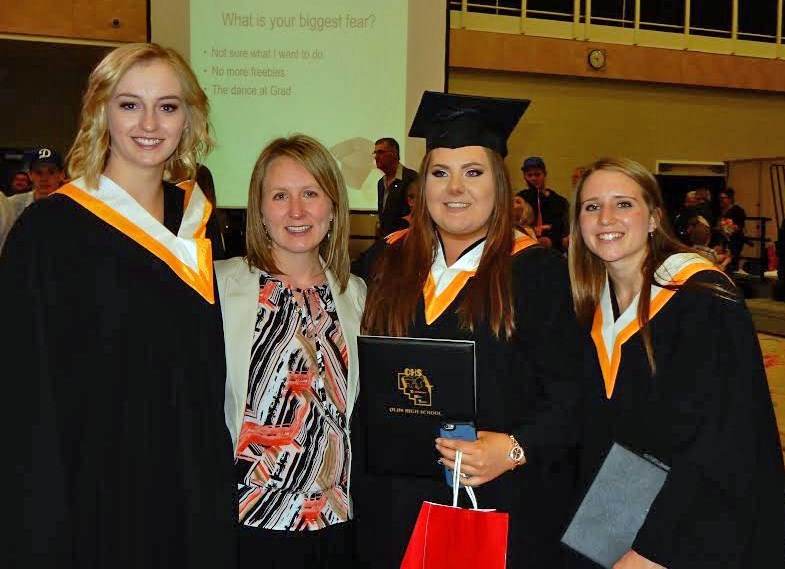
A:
[678, 374]
[117, 452]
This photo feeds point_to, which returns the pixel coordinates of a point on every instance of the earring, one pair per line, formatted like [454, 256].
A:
[267, 234]
[330, 230]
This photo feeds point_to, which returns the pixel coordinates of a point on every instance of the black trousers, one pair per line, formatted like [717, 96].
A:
[328, 548]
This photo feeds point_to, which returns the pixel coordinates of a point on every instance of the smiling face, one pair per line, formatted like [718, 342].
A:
[295, 210]
[614, 218]
[146, 118]
[460, 192]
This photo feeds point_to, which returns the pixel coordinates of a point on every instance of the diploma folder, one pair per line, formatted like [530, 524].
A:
[615, 506]
[412, 385]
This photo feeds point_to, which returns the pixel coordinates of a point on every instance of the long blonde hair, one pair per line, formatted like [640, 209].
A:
[314, 157]
[91, 148]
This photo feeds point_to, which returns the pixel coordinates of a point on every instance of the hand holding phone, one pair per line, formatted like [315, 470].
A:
[462, 430]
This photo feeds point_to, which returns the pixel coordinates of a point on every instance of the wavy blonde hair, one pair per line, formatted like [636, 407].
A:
[91, 148]
[314, 157]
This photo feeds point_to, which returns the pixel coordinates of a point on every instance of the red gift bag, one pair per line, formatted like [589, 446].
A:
[449, 537]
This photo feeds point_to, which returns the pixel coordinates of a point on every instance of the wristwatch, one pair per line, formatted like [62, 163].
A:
[516, 453]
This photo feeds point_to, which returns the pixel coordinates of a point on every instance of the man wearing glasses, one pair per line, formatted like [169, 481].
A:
[391, 188]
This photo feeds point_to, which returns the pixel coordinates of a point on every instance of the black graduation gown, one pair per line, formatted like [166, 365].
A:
[707, 413]
[529, 387]
[117, 453]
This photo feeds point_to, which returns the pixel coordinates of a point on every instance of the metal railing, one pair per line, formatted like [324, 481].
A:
[587, 25]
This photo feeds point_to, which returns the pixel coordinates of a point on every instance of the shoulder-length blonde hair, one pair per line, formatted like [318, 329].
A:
[91, 147]
[400, 274]
[587, 270]
[314, 157]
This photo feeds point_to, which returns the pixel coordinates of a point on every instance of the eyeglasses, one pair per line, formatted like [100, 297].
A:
[378, 152]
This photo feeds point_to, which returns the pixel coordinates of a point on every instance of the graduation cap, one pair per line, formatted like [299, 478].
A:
[447, 120]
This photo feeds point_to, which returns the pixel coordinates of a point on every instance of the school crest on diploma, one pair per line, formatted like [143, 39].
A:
[416, 386]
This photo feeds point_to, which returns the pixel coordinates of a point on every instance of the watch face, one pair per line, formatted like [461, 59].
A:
[516, 453]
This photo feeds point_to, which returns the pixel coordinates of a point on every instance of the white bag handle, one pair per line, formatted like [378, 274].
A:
[456, 485]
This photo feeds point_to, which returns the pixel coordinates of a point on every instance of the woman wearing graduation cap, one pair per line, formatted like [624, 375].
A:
[678, 376]
[117, 453]
[482, 281]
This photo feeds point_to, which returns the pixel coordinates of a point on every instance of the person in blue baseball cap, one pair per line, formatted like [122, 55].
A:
[550, 209]
[46, 174]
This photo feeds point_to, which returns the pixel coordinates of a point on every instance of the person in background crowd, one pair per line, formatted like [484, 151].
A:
[523, 216]
[703, 205]
[700, 238]
[391, 188]
[551, 211]
[19, 184]
[684, 214]
[47, 175]
[119, 455]
[730, 226]
[396, 201]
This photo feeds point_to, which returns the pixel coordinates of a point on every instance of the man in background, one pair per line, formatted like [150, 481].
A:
[391, 188]
[46, 174]
[551, 211]
[704, 204]
[730, 225]
[19, 184]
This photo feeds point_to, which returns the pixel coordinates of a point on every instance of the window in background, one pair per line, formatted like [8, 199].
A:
[499, 7]
[619, 13]
[712, 17]
[560, 10]
[758, 20]
[663, 16]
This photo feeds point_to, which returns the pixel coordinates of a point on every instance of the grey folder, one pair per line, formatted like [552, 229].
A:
[615, 506]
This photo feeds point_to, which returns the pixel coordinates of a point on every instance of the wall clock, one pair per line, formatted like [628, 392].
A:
[597, 58]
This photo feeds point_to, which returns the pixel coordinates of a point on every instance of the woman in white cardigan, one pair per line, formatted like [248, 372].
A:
[291, 317]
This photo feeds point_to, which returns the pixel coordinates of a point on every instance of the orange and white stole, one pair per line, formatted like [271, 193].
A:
[609, 335]
[444, 283]
[188, 254]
